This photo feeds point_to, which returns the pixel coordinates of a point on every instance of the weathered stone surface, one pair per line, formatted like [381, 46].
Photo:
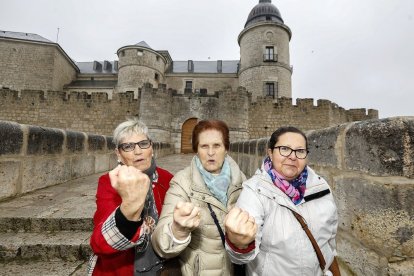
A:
[9, 178]
[323, 145]
[82, 166]
[44, 141]
[11, 137]
[96, 142]
[376, 147]
[75, 141]
[378, 214]
[42, 172]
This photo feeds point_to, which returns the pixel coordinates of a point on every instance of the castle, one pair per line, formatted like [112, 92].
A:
[41, 85]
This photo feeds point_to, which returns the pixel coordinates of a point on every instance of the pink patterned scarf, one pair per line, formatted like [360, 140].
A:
[294, 189]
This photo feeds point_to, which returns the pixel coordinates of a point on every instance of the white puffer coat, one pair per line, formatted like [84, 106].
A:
[282, 246]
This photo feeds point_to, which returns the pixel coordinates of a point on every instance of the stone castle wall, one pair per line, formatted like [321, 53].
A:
[370, 168]
[76, 111]
[165, 111]
[33, 66]
[265, 116]
[35, 157]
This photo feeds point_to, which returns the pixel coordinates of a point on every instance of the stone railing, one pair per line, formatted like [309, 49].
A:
[33, 157]
[370, 167]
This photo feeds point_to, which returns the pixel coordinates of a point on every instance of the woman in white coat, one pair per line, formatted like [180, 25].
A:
[263, 232]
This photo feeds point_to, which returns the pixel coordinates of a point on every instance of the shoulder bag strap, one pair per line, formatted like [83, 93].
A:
[315, 245]
[213, 215]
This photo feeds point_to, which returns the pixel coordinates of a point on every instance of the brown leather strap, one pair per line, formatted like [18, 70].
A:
[315, 245]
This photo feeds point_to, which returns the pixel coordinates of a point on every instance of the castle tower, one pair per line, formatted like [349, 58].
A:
[264, 53]
[139, 64]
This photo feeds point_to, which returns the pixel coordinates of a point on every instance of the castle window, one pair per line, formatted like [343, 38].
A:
[157, 58]
[188, 87]
[269, 54]
[122, 53]
[270, 89]
[140, 53]
[156, 76]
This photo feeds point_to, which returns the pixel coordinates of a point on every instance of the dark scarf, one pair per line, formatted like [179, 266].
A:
[147, 262]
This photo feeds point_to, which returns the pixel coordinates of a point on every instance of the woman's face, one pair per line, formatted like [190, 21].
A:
[289, 167]
[139, 158]
[211, 150]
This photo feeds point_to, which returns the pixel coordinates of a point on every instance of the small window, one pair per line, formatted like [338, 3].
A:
[269, 54]
[189, 85]
[140, 53]
[270, 89]
[157, 58]
[156, 76]
[122, 53]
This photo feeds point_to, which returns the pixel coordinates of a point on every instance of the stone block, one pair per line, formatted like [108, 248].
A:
[44, 141]
[102, 162]
[377, 213]
[11, 137]
[109, 143]
[75, 141]
[359, 260]
[43, 172]
[82, 165]
[9, 178]
[377, 147]
[322, 146]
[96, 142]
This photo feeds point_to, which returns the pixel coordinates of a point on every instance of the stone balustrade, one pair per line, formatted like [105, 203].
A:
[34, 157]
[370, 167]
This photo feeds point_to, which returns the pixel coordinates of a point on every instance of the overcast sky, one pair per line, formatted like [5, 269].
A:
[356, 53]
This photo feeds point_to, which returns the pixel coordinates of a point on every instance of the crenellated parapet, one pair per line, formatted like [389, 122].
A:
[265, 115]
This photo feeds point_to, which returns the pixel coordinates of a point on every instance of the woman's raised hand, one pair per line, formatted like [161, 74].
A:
[185, 219]
[132, 186]
[241, 228]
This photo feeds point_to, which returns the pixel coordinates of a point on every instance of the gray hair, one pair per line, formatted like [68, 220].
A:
[130, 126]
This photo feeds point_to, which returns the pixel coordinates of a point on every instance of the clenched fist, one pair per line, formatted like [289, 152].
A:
[241, 228]
[186, 218]
[132, 185]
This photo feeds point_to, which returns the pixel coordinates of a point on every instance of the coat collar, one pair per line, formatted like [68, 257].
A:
[314, 184]
[201, 192]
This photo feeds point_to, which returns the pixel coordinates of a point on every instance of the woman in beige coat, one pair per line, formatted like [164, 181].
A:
[207, 188]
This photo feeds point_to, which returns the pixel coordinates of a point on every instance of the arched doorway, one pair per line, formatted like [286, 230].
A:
[186, 133]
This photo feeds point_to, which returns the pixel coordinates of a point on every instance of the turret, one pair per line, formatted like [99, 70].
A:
[264, 53]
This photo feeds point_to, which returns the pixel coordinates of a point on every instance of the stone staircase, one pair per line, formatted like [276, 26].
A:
[47, 232]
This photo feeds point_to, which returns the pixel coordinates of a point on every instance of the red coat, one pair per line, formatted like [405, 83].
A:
[111, 260]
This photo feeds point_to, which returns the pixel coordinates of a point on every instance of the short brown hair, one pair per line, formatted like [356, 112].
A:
[210, 124]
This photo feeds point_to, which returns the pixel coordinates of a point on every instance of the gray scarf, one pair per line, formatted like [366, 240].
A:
[147, 262]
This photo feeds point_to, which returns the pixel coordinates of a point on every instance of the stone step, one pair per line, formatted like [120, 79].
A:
[29, 224]
[44, 268]
[46, 246]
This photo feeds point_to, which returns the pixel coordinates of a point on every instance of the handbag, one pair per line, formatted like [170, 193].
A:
[239, 270]
[334, 268]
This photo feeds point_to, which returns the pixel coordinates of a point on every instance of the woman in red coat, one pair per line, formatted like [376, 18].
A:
[128, 200]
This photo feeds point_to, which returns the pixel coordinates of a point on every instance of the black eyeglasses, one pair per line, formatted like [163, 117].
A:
[144, 144]
[286, 151]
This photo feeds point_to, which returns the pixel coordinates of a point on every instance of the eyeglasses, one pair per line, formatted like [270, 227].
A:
[286, 151]
[144, 144]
